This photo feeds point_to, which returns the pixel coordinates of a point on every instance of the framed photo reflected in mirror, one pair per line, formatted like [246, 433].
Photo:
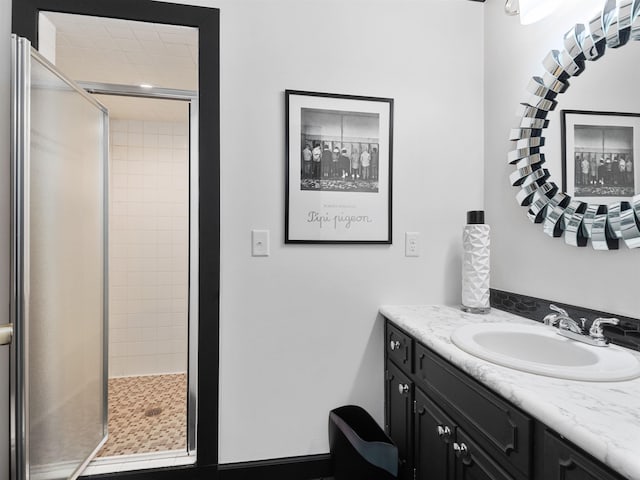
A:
[600, 155]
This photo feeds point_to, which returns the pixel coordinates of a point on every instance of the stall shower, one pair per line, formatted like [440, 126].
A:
[104, 250]
[146, 75]
[148, 276]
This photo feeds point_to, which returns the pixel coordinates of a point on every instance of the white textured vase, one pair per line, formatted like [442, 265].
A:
[475, 268]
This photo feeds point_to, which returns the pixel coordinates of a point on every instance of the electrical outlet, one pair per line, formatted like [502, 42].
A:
[412, 244]
[260, 243]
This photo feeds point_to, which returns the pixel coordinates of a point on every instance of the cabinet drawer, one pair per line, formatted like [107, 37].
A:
[399, 347]
[504, 431]
[563, 461]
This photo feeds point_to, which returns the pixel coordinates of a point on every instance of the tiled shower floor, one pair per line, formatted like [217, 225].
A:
[146, 414]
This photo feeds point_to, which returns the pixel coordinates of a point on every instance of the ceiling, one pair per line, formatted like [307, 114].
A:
[106, 50]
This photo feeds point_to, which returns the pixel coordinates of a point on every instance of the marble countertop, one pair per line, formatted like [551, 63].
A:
[603, 418]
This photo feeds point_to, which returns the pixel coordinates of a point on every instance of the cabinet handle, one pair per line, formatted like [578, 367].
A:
[444, 432]
[403, 388]
[461, 450]
[394, 345]
[6, 334]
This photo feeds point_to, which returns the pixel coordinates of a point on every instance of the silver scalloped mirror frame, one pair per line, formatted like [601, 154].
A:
[604, 225]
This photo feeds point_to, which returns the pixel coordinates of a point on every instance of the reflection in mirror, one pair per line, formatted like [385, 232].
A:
[598, 162]
[604, 210]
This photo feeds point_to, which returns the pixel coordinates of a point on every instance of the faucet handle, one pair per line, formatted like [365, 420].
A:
[596, 330]
[552, 318]
[561, 311]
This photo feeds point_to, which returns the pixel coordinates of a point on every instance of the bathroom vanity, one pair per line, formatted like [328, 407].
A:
[456, 416]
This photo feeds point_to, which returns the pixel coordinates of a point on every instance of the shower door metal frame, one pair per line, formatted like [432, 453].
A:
[22, 54]
[191, 97]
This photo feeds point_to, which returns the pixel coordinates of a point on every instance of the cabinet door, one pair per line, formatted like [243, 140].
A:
[399, 392]
[434, 433]
[399, 347]
[564, 462]
[472, 463]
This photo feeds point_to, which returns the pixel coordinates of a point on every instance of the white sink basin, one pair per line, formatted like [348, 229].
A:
[539, 349]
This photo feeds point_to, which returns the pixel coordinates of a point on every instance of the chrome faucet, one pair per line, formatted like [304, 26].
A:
[569, 328]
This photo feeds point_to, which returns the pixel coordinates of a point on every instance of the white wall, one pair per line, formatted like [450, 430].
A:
[148, 247]
[47, 38]
[5, 96]
[524, 259]
[299, 329]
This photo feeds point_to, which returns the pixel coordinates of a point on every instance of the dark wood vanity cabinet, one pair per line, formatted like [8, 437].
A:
[448, 426]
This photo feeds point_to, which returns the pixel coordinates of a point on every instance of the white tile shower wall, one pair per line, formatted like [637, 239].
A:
[148, 247]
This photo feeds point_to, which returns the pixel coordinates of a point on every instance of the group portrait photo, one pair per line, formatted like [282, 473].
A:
[340, 151]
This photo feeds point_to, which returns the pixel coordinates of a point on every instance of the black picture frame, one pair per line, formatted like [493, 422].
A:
[594, 145]
[339, 157]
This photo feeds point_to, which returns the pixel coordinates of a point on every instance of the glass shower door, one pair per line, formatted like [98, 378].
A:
[58, 374]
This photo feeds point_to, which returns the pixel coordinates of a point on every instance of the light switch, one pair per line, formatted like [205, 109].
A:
[411, 244]
[260, 243]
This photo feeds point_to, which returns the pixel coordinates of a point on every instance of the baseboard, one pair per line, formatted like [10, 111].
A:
[290, 468]
[190, 472]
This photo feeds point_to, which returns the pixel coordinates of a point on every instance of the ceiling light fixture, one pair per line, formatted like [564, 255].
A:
[512, 8]
[531, 11]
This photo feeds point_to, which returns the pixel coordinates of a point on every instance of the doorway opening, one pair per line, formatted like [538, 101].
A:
[146, 74]
[148, 275]
[203, 310]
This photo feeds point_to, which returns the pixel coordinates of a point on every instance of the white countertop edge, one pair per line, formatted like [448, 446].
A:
[603, 418]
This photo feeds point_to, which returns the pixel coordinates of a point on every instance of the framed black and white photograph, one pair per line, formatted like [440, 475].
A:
[339, 152]
[599, 155]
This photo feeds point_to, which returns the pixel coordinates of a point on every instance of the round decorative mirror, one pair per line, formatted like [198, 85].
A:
[600, 157]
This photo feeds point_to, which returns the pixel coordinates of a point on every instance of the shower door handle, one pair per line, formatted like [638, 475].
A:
[6, 334]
